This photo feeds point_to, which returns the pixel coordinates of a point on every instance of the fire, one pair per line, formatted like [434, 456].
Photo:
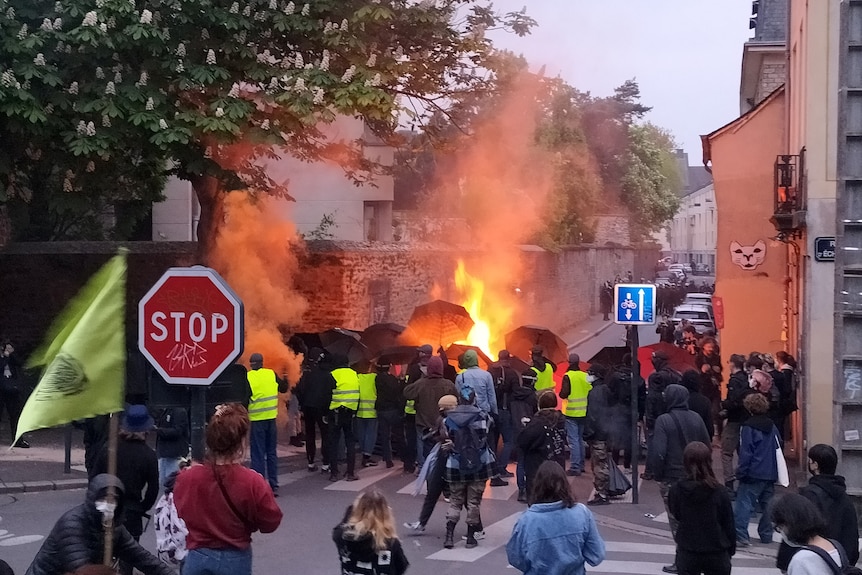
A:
[488, 329]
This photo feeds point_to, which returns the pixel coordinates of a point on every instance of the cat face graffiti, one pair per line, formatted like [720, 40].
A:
[748, 257]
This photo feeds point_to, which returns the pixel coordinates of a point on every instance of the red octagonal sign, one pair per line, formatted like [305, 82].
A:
[190, 326]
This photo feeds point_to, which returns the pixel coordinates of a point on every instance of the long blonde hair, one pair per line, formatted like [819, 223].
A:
[372, 514]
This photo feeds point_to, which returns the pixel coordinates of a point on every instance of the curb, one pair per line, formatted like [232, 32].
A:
[42, 486]
[588, 337]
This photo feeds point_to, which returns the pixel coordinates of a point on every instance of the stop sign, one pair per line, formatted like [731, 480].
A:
[190, 326]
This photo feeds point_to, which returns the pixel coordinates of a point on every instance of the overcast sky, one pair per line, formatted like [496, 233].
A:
[685, 54]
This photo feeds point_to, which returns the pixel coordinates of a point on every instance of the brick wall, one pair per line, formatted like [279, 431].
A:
[772, 75]
[347, 284]
[612, 229]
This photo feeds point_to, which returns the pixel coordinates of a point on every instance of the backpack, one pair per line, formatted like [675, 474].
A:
[845, 568]
[468, 448]
[520, 411]
[555, 442]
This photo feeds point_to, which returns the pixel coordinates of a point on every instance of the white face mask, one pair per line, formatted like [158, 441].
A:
[591, 378]
[105, 508]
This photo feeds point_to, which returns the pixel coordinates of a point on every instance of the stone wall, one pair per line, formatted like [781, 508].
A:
[612, 229]
[772, 75]
[347, 284]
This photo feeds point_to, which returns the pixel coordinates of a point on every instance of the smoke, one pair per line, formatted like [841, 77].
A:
[500, 182]
[256, 254]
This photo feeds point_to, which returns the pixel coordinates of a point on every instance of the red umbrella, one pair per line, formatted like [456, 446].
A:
[678, 358]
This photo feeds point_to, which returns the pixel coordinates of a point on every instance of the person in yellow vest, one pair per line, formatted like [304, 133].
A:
[575, 390]
[262, 411]
[342, 410]
[366, 417]
[542, 370]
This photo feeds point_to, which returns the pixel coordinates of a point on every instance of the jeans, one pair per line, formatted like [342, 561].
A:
[167, 466]
[575, 435]
[503, 428]
[314, 419]
[391, 422]
[410, 442]
[366, 434]
[218, 562]
[748, 495]
[341, 427]
[664, 490]
[264, 458]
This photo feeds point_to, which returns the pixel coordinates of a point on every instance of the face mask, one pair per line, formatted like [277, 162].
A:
[591, 378]
[786, 540]
[105, 508]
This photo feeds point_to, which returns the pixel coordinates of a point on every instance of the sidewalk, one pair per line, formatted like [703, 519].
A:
[40, 468]
[586, 331]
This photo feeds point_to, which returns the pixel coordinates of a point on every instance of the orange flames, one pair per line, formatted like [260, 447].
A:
[491, 309]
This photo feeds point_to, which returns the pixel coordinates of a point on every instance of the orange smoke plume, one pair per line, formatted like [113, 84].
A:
[255, 254]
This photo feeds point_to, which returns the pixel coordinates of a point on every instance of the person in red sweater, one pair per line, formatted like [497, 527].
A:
[222, 502]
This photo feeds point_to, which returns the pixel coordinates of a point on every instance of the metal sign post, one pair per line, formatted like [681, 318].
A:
[634, 305]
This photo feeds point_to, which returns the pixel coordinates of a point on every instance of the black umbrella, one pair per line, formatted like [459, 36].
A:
[379, 336]
[522, 340]
[398, 355]
[610, 356]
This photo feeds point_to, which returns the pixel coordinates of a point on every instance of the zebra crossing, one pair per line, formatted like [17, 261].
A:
[628, 552]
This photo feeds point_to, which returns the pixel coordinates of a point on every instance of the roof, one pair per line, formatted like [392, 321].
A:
[698, 178]
[771, 21]
[705, 140]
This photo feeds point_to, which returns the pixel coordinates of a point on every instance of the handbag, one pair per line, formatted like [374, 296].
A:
[783, 475]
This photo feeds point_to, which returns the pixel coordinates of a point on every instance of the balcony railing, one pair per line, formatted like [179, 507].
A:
[789, 213]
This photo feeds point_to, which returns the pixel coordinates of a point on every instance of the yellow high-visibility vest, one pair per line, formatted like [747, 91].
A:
[544, 378]
[264, 395]
[576, 404]
[410, 406]
[367, 396]
[346, 392]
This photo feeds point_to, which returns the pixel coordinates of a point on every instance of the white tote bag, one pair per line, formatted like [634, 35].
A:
[783, 475]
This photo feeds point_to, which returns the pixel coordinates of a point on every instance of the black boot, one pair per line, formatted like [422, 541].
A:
[471, 537]
[449, 542]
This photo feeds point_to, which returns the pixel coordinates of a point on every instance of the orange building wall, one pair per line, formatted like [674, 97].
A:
[743, 157]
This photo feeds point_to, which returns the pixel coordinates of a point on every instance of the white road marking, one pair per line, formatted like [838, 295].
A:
[643, 568]
[496, 535]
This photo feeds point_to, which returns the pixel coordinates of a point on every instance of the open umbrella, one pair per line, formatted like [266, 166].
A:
[678, 358]
[350, 348]
[515, 363]
[439, 323]
[379, 336]
[521, 341]
[456, 349]
[398, 355]
[610, 356]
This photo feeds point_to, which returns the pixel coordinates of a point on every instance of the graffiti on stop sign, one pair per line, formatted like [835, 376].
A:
[190, 326]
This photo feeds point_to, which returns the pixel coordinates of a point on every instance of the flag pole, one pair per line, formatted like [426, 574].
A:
[108, 523]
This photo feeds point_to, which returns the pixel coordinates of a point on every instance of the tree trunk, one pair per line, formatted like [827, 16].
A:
[211, 199]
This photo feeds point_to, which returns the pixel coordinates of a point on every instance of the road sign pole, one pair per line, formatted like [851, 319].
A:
[636, 378]
[198, 421]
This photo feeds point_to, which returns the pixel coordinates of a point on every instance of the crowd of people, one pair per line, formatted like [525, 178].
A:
[458, 432]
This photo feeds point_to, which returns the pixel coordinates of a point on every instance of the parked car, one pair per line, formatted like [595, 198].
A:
[687, 269]
[670, 277]
[700, 299]
[699, 316]
[701, 269]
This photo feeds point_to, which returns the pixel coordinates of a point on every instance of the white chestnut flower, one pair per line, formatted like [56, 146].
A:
[142, 81]
[146, 17]
[247, 10]
[73, 88]
[306, 10]
[181, 50]
[150, 104]
[58, 23]
[205, 34]
[289, 9]
[273, 4]
[39, 60]
[234, 91]
[110, 89]
[299, 62]
[106, 121]
[219, 112]
[22, 33]
[264, 125]
[318, 96]
[211, 57]
[90, 19]
[118, 78]
[344, 25]
[300, 85]
[103, 27]
[180, 68]
[348, 74]
[100, 74]
[67, 185]
[324, 62]
[91, 166]
[46, 25]
[162, 124]
[372, 61]
[234, 8]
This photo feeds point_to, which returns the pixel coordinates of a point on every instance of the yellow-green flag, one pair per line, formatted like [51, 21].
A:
[84, 354]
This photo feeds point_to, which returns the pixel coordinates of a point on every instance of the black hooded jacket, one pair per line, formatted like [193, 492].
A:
[670, 439]
[737, 389]
[77, 538]
[657, 383]
[314, 390]
[705, 517]
[697, 401]
[358, 556]
[829, 494]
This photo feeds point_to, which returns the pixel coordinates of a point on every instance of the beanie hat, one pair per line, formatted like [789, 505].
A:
[435, 366]
[471, 358]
